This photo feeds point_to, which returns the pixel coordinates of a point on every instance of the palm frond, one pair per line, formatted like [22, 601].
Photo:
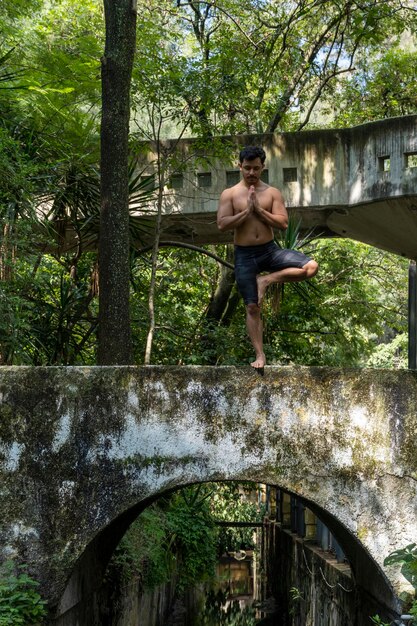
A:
[7, 75]
[74, 204]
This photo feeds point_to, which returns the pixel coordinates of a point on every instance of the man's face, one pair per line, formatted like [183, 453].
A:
[251, 170]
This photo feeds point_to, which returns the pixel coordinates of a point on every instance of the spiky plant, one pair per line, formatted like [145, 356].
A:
[292, 238]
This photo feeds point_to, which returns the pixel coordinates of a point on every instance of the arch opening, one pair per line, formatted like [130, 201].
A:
[78, 603]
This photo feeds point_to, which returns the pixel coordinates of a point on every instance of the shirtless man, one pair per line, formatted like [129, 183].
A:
[253, 209]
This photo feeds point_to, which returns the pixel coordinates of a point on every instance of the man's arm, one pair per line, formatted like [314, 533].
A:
[226, 220]
[278, 217]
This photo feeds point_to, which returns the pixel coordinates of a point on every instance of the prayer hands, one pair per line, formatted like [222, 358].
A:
[253, 204]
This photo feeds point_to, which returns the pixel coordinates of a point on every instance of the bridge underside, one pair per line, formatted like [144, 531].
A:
[388, 224]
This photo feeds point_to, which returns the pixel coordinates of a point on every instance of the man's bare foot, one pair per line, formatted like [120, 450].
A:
[259, 362]
[262, 283]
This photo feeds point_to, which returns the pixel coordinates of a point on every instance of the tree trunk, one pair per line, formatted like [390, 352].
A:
[220, 309]
[115, 344]
[155, 252]
[220, 299]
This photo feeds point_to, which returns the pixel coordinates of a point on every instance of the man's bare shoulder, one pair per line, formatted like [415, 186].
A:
[277, 192]
[269, 188]
[274, 192]
[226, 194]
[238, 188]
[232, 194]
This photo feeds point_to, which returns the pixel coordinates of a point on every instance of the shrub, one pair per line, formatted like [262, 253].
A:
[20, 603]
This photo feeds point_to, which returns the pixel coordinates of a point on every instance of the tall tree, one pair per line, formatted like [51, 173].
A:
[384, 85]
[264, 66]
[224, 67]
[115, 345]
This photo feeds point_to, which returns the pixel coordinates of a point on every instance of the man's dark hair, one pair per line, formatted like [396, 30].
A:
[252, 152]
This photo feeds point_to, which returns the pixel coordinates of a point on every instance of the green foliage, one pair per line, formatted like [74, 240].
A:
[295, 594]
[260, 66]
[393, 354]
[365, 286]
[143, 552]
[204, 69]
[63, 44]
[367, 289]
[292, 239]
[48, 317]
[384, 85]
[193, 535]
[173, 539]
[295, 598]
[407, 558]
[16, 176]
[177, 539]
[184, 284]
[234, 502]
[20, 603]
[14, 324]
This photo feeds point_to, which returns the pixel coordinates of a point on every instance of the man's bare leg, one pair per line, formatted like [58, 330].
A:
[288, 275]
[254, 327]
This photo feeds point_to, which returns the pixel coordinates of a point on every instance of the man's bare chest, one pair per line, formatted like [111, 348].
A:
[240, 202]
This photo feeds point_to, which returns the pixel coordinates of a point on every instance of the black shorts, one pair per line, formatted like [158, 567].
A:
[267, 257]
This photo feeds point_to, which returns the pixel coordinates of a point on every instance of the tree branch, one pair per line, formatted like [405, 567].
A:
[189, 246]
[231, 18]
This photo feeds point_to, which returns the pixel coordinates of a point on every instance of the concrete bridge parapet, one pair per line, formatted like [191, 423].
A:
[83, 450]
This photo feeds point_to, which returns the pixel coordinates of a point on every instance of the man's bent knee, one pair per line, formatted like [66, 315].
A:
[253, 309]
[311, 268]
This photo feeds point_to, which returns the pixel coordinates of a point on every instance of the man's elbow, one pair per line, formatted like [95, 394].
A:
[222, 225]
[284, 223]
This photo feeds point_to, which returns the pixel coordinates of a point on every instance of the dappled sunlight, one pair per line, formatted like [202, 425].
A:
[329, 172]
[355, 191]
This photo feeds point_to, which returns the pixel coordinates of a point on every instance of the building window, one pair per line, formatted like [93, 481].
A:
[290, 174]
[148, 182]
[265, 176]
[176, 181]
[204, 179]
[410, 159]
[232, 177]
[384, 164]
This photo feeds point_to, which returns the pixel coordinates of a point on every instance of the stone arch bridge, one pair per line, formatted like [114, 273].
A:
[84, 450]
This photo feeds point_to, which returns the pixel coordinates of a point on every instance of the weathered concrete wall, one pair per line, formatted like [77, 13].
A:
[159, 607]
[340, 185]
[334, 167]
[131, 605]
[83, 450]
[311, 588]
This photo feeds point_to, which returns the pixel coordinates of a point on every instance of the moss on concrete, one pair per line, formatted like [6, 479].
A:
[79, 447]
